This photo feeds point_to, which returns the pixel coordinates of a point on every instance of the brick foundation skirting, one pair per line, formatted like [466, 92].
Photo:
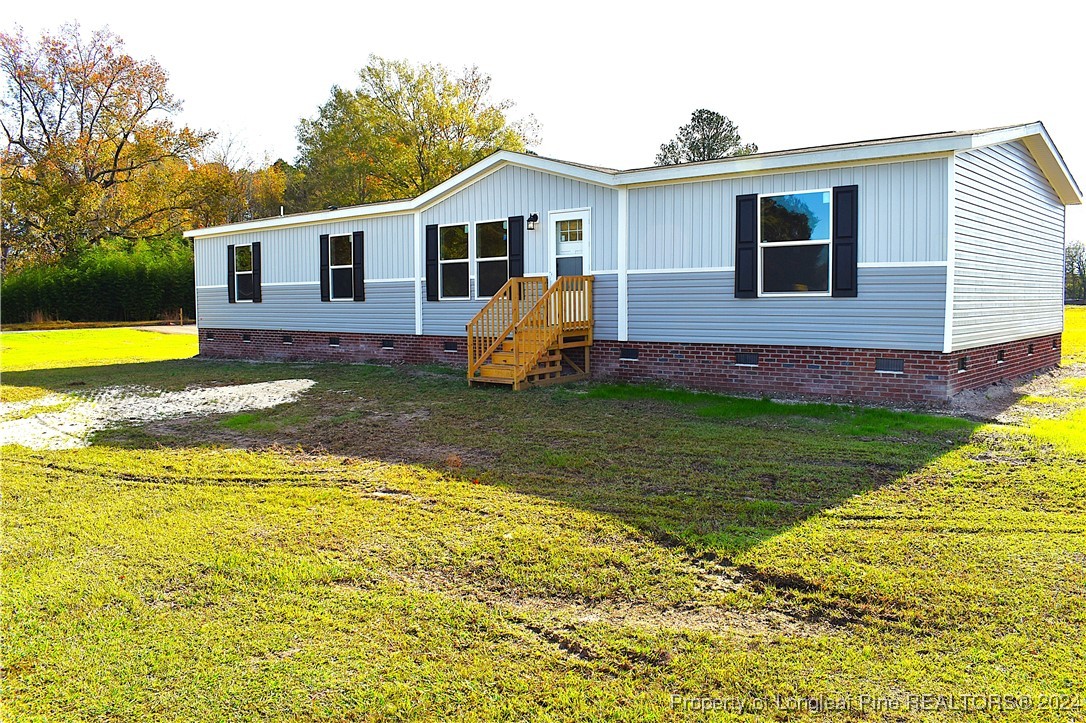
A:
[319, 346]
[926, 377]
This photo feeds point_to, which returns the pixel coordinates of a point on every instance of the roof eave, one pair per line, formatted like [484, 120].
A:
[421, 202]
[1033, 135]
[757, 164]
[1048, 157]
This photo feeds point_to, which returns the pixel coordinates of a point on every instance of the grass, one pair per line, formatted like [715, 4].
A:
[90, 347]
[1074, 335]
[258, 423]
[9, 393]
[65, 325]
[395, 545]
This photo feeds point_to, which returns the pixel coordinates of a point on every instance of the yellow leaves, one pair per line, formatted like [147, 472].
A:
[97, 154]
[404, 130]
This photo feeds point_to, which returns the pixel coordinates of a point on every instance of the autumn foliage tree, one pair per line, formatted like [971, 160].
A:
[404, 130]
[92, 152]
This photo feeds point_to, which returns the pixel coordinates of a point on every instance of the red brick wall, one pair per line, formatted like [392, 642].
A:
[982, 365]
[819, 372]
[824, 372]
[314, 345]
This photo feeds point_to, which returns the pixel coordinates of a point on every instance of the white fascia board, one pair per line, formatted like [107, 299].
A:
[469, 175]
[1037, 141]
[1004, 135]
[1056, 171]
[558, 168]
[751, 165]
[1033, 135]
[303, 219]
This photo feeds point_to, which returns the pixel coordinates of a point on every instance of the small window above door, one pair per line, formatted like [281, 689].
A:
[570, 231]
[570, 242]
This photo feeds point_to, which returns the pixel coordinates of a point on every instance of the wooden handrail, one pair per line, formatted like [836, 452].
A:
[495, 321]
[566, 306]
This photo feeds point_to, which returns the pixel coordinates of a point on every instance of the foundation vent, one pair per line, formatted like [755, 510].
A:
[746, 359]
[890, 366]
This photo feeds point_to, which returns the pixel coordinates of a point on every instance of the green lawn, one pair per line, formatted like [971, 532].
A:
[90, 347]
[395, 545]
[1074, 335]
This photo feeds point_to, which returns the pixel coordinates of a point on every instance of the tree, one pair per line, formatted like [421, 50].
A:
[92, 152]
[1075, 268]
[267, 189]
[405, 129]
[706, 137]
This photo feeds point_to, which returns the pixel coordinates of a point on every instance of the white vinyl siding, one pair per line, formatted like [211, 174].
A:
[292, 255]
[897, 308]
[515, 191]
[389, 309]
[903, 211]
[1008, 248]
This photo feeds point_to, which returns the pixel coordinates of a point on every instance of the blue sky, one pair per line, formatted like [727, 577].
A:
[609, 83]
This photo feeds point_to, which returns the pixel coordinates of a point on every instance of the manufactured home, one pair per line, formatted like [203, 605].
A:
[902, 269]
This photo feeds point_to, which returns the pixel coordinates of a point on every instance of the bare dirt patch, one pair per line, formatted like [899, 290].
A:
[100, 409]
[697, 615]
[1008, 402]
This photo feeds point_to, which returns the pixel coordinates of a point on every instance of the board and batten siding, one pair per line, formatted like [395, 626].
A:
[897, 308]
[292, 254]
[516, 191]
[389, 308]
[903, 211]
[1008, 248]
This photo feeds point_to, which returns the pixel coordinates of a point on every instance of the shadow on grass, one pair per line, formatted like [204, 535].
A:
[710, 473]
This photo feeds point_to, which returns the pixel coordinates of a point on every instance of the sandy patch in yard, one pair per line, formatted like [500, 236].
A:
[1009, 402]
[115, 406]
[707, 615]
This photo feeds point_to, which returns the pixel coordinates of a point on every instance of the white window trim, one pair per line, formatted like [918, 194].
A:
[775, 244]
[234, 281]
[476, 259]
[331, 287]
[442, 262]
[569, 214]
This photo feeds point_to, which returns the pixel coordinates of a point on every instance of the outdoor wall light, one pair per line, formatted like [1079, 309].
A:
[532, 221]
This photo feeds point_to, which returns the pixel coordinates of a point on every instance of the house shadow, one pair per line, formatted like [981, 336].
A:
[709, 473]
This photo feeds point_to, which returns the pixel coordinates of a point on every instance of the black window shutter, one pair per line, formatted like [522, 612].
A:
[231, 288]
[358, 255]
[256, 272]
[516, 246]
[325, 289]
[846, 222]
[746, 246]
[432, 283]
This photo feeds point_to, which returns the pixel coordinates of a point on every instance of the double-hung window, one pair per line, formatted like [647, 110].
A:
[243, 273]
[795, 242]
[453, 261]
[491, 257]
[341, 268]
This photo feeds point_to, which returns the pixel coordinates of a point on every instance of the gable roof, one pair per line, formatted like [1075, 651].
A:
[1033, 135]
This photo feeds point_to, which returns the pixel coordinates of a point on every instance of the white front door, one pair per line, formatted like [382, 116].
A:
[570, 242]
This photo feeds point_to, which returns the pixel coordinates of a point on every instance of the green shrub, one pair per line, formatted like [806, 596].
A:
[121, 281]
